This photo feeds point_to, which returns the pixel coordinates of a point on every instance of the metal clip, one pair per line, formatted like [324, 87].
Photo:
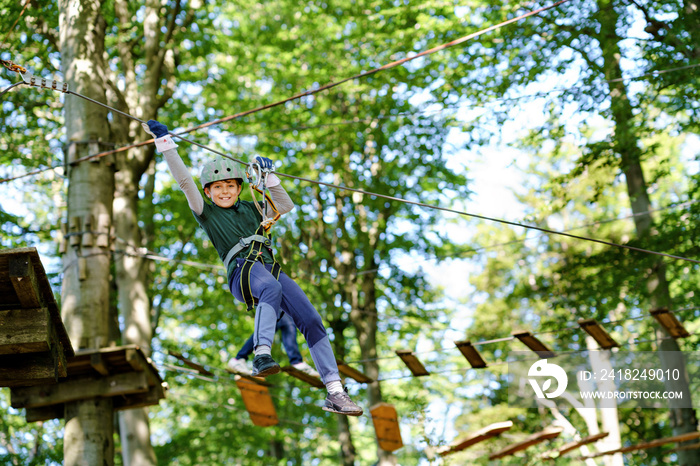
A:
[13, 66]
[253, 171]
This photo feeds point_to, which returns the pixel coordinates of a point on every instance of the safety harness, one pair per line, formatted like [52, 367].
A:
[261, 238]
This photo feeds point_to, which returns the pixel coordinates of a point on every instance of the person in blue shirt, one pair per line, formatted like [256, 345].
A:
[288, 332]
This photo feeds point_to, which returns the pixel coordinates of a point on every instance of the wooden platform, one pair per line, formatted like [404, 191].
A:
[122, 373]
[34, 343]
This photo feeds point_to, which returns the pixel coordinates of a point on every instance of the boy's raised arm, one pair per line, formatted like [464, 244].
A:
[165, 145]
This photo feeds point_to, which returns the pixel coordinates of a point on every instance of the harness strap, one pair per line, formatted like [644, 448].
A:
[242, 244]
[254, 255]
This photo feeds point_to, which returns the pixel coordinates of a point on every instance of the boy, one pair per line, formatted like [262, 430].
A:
[228, 222]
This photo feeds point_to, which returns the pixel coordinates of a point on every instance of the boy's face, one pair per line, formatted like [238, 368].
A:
[223, 193]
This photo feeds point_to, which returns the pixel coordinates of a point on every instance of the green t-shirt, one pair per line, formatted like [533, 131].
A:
[225, 227]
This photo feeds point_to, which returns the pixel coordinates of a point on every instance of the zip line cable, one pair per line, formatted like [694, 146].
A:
[423, 111]
[523, 240]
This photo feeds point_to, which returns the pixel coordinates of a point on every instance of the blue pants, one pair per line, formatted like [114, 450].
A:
[284, 295]
[288, 331]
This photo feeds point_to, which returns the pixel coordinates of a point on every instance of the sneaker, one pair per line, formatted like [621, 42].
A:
[264, 365]
[342, 404]
[238, 365]
[306, 369]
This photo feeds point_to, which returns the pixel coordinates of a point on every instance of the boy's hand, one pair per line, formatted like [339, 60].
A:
[160, 134]
[265, 163]
[155, 129]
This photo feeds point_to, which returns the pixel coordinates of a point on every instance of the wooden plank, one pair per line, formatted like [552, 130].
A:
[386, 426]
[24, 280]
[594, 329]
[98, 363]
[10, 300]
[534, 344]
[547, 434]
[45, 413]
[353, 373]
[152, 397]
[478, 436]
[471, 354]
[250, 378]
[116, 360]
[258, 402]
[25, 331]
[668, 320]
[566, 448]
[303, 376]
[135, 358]
[416, 367]
[136, 400]
[17, 370]
[652, 444]
[199, 368]
[81, 388]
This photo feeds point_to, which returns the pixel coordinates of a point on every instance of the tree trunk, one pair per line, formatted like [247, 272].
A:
[85, 294]
[626, 145]
[609, 419]
[135, 307]
[132, 270]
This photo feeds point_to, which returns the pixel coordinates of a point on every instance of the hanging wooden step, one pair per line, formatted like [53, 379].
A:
[353, 373]
[470, 354]
[598, 333]
[198, 367]
[647, 445]
[415, 366]
[571, 446]
[532, 342]
[303, 376]
[547, 434]
[124, 374]
[258, 402]
[34, 343]
[670, 322]
[386, 426]
[476, 437]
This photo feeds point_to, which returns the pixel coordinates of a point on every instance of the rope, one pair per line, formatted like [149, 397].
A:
[312, 91]
[376, 70]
